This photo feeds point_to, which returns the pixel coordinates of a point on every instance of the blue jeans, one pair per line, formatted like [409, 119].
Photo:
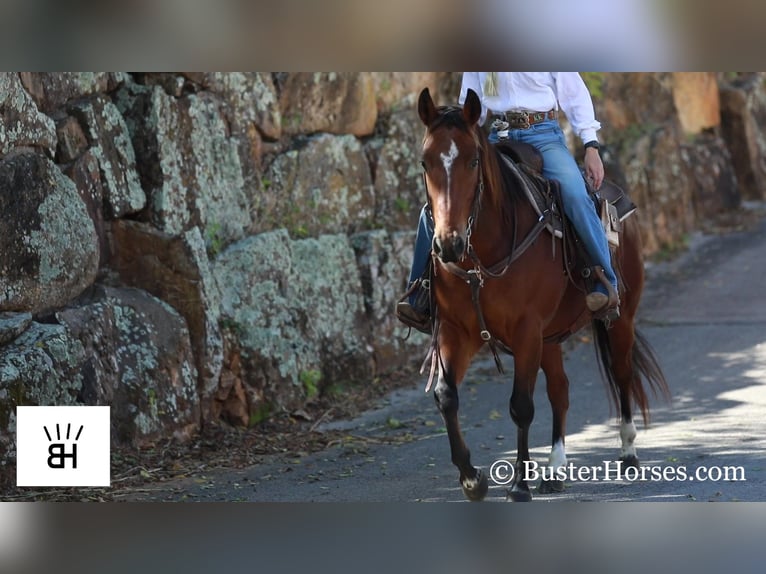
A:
[558, 164]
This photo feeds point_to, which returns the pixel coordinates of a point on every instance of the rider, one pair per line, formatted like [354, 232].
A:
[539, 95]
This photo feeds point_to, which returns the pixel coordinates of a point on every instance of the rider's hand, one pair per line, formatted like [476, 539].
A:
[594, 169]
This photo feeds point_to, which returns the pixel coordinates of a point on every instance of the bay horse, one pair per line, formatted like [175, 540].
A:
[477, 208]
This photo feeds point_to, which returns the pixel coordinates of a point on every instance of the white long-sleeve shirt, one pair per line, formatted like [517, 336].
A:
[537, 92]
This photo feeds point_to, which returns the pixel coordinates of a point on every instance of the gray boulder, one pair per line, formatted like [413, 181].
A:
[48, 248]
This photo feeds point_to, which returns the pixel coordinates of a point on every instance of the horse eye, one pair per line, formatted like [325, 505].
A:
[423, 165]
[474, 163]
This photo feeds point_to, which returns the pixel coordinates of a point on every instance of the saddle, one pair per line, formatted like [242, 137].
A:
[611, 202]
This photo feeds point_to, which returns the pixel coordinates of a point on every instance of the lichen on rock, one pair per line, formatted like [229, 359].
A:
[48, 249]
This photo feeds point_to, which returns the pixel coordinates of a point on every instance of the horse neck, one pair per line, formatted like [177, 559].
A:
[499, 218]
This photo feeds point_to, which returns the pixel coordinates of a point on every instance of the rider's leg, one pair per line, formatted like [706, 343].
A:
[559, 164]
[423, 241]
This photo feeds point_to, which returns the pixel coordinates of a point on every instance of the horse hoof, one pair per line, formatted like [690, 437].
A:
[629, 460]
[475, 489]
[550, 486]
[518, 496]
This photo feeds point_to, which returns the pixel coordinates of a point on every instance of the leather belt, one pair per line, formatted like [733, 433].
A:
[521, 120]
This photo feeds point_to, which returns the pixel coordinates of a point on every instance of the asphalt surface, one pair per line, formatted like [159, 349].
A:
[705, 315]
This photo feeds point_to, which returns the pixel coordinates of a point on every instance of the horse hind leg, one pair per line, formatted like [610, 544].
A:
[473, 481]
[629, 390]
[557, 386]
[627, 361]
[615, 350]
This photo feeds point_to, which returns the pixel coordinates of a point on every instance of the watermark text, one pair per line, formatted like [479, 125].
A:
[504, 471]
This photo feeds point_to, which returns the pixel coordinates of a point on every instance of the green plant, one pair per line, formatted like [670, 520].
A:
[335, 390]
[214, 239]
[402, 204]
[393, 423]
[310, 380]
[152, 396]
[260, 414]
[293, 120]
[595, 83]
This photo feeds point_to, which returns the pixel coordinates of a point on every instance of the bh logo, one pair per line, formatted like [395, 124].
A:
[62, 446]
[57, 451]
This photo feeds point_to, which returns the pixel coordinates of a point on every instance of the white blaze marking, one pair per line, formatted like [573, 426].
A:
[628, 435]
[448, 159]
[558, 457]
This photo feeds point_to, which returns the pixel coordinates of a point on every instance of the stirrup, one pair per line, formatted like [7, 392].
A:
[610, 310]
[410, 317]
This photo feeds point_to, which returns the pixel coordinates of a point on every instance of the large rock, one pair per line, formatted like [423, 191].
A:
[743, 103]
[399, 90]
[334, 102]
[639, 102]
[294, 315]
[116, 347]
[42, 366]
[715, 188]
[86, 175]
[661, 131]
[395, 157]
[188, 163]
[138, 359]
[659, 182]
[176, 270]
[48, 247]
[12, 325]
[110, 144]
[251, 106]
[251, 100]
[21, 123]
[696, 99]
[384, 262]
[322, 186]
[52, 90]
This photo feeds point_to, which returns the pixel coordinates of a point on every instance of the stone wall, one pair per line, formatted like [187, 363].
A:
[191, 248]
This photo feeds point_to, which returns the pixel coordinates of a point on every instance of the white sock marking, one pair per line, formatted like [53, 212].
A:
[558, 456]
[628, 436]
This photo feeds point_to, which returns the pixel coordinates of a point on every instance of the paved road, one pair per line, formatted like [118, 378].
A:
[705, 315]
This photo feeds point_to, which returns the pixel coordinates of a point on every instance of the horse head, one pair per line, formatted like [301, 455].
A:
[452, 169]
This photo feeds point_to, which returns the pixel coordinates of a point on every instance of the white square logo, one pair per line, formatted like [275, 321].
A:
[62, 446]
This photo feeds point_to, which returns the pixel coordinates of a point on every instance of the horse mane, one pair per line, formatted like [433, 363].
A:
[501, 191]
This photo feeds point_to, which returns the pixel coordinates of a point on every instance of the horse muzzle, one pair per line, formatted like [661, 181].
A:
[450, 248]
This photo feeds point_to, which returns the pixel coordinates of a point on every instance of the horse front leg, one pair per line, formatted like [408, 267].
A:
[527, 358]
[557, 386]
[452, 368]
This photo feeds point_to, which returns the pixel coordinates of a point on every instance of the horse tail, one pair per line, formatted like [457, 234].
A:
[645, 366]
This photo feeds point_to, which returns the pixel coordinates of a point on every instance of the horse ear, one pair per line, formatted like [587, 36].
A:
[472, 107]
[426, 108]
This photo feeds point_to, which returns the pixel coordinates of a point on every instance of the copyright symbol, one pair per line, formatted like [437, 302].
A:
[501, 472]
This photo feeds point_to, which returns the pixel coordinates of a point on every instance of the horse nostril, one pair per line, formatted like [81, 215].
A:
[436, 246]
[459, 245]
